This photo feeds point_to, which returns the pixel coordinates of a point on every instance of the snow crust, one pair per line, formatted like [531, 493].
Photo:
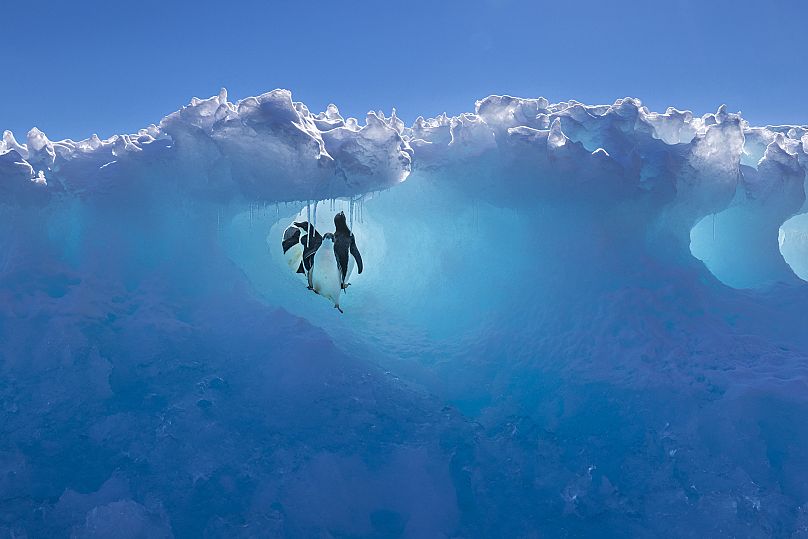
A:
[263, 148]
[270, 148]
[573, 320]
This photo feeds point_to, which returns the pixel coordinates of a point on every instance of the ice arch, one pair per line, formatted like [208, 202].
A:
[741, 245]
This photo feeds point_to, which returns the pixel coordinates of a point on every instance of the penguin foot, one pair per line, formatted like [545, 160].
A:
[337, 307]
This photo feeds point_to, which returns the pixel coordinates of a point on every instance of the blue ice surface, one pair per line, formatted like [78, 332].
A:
[547, 341]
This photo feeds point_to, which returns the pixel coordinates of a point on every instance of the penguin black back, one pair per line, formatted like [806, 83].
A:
[345, 244]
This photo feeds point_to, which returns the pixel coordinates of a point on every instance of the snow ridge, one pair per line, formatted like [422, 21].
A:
[268, 146]
[274, 148]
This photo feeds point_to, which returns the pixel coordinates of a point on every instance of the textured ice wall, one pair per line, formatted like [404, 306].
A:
[533, 345]
[681, 168]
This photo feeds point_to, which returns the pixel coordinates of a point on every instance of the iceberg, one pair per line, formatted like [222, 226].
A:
[573, 320]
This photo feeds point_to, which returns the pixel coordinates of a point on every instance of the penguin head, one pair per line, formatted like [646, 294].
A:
[340, 222]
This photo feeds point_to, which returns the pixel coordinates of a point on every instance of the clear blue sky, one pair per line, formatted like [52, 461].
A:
[75, 68]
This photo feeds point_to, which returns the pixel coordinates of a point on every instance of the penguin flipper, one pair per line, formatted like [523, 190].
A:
[356, 255]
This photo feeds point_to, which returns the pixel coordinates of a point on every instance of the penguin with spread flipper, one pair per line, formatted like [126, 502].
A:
[300, 241]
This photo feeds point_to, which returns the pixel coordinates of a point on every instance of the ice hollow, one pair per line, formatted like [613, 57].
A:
[793, 240]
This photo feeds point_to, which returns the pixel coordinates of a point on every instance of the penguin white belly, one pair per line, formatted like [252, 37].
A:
[294, 256]
[325, 278]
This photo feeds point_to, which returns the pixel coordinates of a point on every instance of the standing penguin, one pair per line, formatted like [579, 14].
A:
[345, 243]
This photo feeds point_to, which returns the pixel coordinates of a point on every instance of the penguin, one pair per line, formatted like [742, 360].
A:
[300, 242]
[325, 278]
[326, 260]
[345, 250]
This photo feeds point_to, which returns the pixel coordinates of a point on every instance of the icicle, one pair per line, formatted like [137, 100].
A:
[351, 211]
[308, 222]
[314, 215]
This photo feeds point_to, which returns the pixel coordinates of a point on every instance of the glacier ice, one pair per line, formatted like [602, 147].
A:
[573, 320]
